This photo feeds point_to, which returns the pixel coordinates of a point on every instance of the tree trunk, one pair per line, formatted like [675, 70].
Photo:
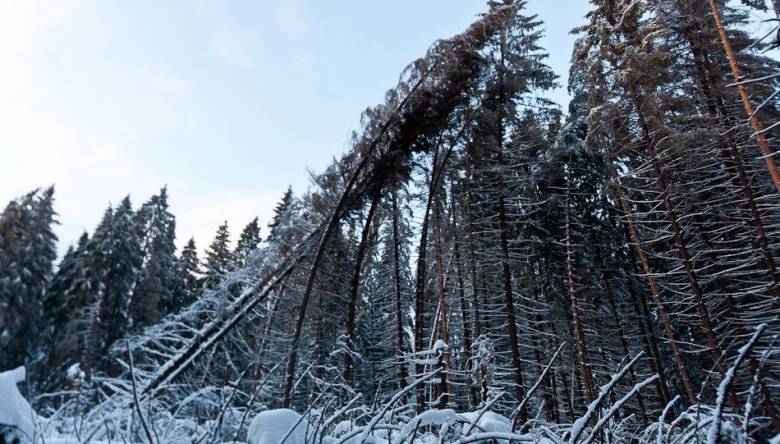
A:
[503, 228]
[582, 351]
[646, 331]
[682, 246]
[422, 267]
[716, 107]
[467, 332]
[261, 347]
[477, 325]
[755, 122]
[624, 344]
[444, 333]
[355, 287]
[399, 332]
[682, 370]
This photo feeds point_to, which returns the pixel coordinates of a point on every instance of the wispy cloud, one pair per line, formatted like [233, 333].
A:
[21, 25]
[40, 147]
[291, 19]
[39, 150]
[234, 46]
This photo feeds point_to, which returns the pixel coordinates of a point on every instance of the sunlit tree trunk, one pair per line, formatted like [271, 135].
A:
[750, 112]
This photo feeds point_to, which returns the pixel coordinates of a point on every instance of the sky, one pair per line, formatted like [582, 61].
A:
[225, 103]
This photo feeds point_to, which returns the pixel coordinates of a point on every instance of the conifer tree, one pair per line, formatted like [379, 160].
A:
[219, 258]
[114, 255]
[548, 254]
[280, 210]
[188, 277]
[27, 253]
[247, 243]
[514, 72]
[152, 294]
[64, 306]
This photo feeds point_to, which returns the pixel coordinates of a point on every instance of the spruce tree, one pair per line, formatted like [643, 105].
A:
[188, 277]
[152, 296]
[281, 208]
[514, 73]
[27, 252]
[67, 298]
[219, 258]
[114, 256]
[247, 243]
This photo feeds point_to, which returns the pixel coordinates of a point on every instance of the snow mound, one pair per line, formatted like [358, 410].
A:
[15, 412]
[346, 426]
[490, 421]
[430, 417]
[271, 426]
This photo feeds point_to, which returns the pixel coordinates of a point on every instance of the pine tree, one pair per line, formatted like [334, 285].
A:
[114, 255]
[247, 243]
[188, 277]
[152, 294]
[27, 253]
[67, 298]
[279, 210]
[219, 258]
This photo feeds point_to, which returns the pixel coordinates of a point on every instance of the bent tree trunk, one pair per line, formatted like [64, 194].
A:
[355, 287]
[682, 245]
[755, 123]
[682, 370]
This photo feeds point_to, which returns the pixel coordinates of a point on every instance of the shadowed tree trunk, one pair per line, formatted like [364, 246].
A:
[355, 287]
[682, 370]
[582, 350]
[399, 332]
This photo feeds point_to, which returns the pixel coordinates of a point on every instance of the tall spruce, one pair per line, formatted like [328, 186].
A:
[189, 281]
[114, 255]
[67, 298]
[152, 294]
[247, 243]
[27, 253]
[219, 258]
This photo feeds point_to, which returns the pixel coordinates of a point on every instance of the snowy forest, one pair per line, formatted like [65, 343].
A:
[479, 266]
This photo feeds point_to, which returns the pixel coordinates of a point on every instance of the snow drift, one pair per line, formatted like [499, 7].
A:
[272, 426]
[16, 415]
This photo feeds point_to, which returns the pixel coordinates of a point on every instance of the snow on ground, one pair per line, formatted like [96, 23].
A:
[490, 421]
[271, 426]
[18, 422]
[15, 411]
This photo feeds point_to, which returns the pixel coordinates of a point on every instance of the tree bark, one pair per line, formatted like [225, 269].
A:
[467, 332]
[755, 122]
[399, 332]
[444, 332]
[682, 246]
[716, 107]
[355, 286]
[682, 370]
[582, 351]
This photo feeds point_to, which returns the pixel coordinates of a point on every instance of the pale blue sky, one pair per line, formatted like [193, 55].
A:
[225, 102]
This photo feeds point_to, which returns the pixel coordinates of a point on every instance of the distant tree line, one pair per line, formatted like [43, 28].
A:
[124, 277]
